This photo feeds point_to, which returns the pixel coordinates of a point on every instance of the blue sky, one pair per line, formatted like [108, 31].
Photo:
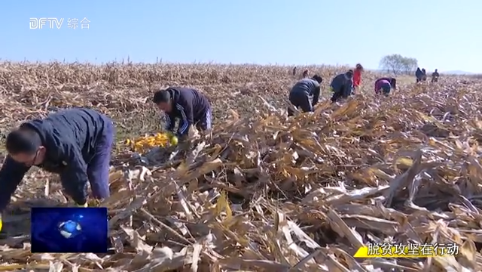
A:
[440, 34]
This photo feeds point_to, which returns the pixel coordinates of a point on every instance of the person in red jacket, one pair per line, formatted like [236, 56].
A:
[357, 77]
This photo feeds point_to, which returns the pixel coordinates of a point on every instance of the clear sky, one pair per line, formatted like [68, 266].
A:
[440, 34]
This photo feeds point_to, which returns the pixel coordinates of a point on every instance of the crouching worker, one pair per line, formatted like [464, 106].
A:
[188, 105]
[342, 86]
[385, 85]
[75, 143]
[302, 91]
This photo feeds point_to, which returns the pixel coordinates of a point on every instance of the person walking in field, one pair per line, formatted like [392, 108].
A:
[75, 143]
[342, 86]
[190, 106]
[435, 76]
[357, 76]
[305, 74]
[300, 94]
[419, 75]
[424, 75]
[384, 85]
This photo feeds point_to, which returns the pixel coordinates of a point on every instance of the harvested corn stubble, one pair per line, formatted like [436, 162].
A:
[263, 192]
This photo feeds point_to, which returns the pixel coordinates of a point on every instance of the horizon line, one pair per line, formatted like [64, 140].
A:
[160, 62]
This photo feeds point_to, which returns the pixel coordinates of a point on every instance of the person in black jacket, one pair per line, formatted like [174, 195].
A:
[301, 92]
[190, 106]
[75, 143]
[424, 77]
[419, 74]
[342, 86]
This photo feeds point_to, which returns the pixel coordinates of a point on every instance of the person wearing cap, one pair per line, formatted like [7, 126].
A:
[342, 86]
[384, 85]
[74, 143]
[302, 91]
[357, 76]
[190, 106]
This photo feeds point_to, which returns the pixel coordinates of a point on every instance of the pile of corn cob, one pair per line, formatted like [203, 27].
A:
[146, 143]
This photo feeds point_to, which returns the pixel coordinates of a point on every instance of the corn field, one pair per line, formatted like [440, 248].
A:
[261, 192]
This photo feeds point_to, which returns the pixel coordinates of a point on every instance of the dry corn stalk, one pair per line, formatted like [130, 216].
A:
[299, 194]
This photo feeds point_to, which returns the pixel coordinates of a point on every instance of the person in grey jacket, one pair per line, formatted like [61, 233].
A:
[301, 92]
[342, 86]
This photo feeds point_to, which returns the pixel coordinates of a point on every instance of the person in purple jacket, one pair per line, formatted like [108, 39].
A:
[384, 85]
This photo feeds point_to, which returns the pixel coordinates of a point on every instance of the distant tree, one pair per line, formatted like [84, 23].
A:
[409, 65]
[398, 64]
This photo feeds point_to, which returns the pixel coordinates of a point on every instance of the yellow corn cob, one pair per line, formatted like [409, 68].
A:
[143, 144]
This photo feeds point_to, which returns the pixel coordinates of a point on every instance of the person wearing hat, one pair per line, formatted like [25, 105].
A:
[191, 107]
[342, 86]
[302, 91]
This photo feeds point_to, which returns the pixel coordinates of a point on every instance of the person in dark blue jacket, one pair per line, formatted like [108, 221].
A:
[301, 92]
[342, 86]
[188, 105]
[419, 74]
[75, 143]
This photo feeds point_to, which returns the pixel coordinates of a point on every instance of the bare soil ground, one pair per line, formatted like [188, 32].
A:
[263, 192]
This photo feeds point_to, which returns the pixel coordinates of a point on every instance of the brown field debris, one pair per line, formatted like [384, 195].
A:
[263, 192]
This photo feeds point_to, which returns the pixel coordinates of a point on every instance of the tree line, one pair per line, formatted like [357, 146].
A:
[398, 64]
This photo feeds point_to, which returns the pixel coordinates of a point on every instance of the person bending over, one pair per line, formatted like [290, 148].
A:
[342, 86]
[74, 143]
[302, 91]
[188, 105]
